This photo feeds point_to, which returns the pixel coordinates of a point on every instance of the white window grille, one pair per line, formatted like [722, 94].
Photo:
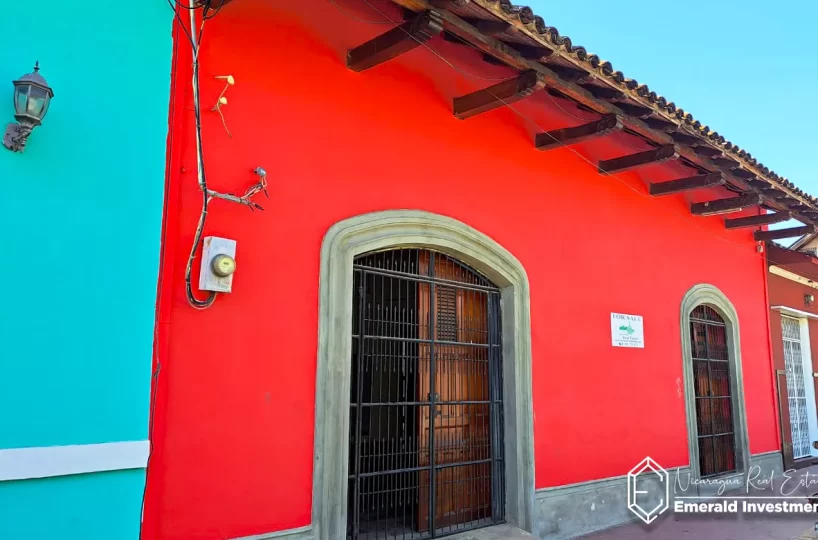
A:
[796, 390]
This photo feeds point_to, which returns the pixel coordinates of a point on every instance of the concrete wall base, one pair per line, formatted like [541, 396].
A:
[571, 511]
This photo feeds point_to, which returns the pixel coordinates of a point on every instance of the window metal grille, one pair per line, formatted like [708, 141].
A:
[796, 389]
[714, 406]
[426, 413]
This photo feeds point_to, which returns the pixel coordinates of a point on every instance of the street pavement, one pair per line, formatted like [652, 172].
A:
[728, 527]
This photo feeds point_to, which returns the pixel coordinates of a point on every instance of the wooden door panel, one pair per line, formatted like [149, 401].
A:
[461, 431]
[784, 419]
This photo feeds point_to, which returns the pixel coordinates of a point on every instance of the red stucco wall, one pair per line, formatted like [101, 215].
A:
[235, 396]
[788, 293]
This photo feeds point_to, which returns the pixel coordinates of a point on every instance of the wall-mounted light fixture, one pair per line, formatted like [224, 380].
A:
[32, 96]
[809, 299]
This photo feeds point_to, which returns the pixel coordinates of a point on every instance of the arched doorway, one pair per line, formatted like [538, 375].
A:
[714, 388]
[393, 229]
[426, 405]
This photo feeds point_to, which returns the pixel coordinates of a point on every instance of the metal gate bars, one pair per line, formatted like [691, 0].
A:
[714, 406]
[796, 389]
[426, 407]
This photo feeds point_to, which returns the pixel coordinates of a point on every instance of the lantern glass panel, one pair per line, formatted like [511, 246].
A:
[46, 104]
[21, 98]
[37, 102]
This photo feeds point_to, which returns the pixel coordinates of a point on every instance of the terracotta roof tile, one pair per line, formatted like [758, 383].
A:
[526, 16]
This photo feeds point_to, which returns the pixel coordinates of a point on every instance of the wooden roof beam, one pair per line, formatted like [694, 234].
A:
[634, 110]
[639, 159]
[499, 9]
[539, 54]
[707, 151]
[394, 42]
[744, 174]
[489, 45]
[577, 134]
[603, 92]
[571, 74]
[494, 27]
[660, 124]
[530, 52]
[498, 95]
[726, 162]
[684, 138]
[491, 60]
[756, 221]
[792, 232]
[725, 206]
[447, 36]
[687, 184]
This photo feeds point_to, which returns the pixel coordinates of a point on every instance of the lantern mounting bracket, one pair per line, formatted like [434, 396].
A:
[15, 137]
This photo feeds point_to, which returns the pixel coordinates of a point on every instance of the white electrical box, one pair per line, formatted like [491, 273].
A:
[218, 264]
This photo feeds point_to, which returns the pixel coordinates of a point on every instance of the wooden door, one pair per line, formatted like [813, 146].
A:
[456, 321]
[784, 419]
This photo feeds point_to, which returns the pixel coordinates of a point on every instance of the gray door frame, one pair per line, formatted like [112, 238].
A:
[704, 294]
[400, 229]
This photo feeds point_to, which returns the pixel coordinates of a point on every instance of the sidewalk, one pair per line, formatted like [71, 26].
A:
[734, 527]
[716, 528]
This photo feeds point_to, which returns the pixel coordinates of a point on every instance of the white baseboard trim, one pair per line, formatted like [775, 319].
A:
[46, 461]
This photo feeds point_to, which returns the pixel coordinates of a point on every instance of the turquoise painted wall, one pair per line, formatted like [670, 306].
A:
[101, 506]
[88, 189]
[81, 213]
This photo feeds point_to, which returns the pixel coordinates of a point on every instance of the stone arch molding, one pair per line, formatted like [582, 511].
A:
[412, 228]
[713, 297]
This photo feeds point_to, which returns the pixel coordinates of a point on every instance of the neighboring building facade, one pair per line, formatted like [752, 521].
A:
[806, 244]
[82, 209]
[425, 300]
[793, 284]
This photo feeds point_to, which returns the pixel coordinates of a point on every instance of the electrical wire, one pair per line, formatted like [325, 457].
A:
[201, 172]
[180, 23]
[346, 14]
[397, 24]
[540, 129]
[202, 304]
[195, 42]
[215, 11]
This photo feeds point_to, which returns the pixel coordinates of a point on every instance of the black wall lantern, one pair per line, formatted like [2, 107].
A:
[32, 96]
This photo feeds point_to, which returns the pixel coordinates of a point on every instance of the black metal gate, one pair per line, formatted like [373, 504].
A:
[426, 407]
[714, 404]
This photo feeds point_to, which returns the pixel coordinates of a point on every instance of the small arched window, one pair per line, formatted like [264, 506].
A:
[710, 359]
